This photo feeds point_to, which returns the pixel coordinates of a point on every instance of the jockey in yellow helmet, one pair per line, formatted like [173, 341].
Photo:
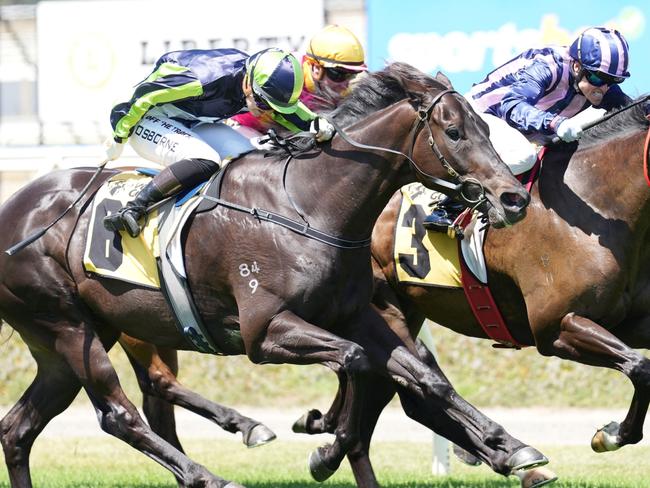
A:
[333, 57]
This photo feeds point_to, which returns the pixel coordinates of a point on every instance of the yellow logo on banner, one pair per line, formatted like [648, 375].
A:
[423, 257]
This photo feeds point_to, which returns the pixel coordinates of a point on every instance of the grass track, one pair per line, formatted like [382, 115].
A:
[108, 463]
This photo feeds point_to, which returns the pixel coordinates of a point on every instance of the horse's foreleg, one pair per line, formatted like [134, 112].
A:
[290, 339]
[428, 397]
[586, 342]
[156, 369]
[379, 393]
[88, 359]
[438, 406]
[314, 422]
[51, 392]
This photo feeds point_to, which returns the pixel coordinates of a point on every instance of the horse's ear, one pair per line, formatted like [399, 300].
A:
[411, 86]
[442, 78]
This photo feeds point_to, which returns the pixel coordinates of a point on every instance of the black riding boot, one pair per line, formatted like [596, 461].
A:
[443, 215]
[163, 185]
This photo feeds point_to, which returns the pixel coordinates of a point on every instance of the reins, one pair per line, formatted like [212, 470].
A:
[303, 229]
[605, 117]
[434, 182]
[608, 116]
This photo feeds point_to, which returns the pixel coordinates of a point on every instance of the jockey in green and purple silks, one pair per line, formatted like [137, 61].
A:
[175, 112]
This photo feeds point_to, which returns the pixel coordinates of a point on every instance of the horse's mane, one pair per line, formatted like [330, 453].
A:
[378, 90]
[370, 93]
[633, 119]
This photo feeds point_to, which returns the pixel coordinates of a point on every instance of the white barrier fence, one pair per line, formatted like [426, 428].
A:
[440, 464]
[19, 165]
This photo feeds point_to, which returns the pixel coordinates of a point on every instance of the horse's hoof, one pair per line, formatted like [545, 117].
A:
[534, 478]
[606, 438]
[317, 467]
[300, 425]
[258, 436]
[465, 456]
[526, 458]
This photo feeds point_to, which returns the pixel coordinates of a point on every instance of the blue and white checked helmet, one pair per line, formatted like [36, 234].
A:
[602, 50]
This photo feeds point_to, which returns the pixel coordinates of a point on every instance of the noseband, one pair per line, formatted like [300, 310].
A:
[457, 190]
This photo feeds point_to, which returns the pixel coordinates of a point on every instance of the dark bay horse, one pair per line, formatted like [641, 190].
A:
[312, 301]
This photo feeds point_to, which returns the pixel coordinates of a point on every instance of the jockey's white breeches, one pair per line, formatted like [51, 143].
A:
[165, 141]
[515, 150]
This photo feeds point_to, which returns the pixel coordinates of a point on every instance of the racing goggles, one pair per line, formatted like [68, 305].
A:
[260, 102]
[596, 78]
[339, 75]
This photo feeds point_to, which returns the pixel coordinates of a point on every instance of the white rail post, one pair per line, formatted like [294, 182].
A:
[440, 465]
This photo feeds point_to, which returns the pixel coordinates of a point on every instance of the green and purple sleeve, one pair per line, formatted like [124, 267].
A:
[168, 83]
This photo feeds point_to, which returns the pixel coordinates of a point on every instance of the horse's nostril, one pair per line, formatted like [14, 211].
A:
[514, 200]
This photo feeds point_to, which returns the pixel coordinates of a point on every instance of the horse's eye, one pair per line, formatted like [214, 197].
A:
[453, 133]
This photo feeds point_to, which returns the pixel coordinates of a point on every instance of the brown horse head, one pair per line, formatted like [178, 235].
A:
[452, 141]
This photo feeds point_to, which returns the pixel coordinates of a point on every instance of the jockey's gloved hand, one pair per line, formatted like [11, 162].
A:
[569, 130]
[322, 128]
[113, 149]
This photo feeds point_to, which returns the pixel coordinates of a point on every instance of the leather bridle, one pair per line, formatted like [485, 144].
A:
[452, 189]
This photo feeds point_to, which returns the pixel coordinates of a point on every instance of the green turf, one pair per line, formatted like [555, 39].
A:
[106, 462]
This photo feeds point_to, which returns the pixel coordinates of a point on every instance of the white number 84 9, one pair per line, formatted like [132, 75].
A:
[245, 271]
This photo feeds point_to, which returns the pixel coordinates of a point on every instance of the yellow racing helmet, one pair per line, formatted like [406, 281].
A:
[337, 47]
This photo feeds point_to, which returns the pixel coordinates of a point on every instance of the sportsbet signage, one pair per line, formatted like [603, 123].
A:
[92, 53]
[470, 38]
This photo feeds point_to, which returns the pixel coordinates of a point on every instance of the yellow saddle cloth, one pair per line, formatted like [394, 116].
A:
[423, 257]
[117, 255]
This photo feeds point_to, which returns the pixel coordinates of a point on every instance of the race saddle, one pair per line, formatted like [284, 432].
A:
[155, 258]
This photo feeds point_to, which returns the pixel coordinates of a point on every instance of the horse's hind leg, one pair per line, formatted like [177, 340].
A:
[586, 342]
[156, 369]
[86, 356]
[315, 422]
[51, 392]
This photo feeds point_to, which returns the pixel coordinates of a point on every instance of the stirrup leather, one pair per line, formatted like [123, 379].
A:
[441, 221]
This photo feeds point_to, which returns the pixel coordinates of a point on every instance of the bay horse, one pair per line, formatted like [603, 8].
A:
[570, 279]
[311, 304]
